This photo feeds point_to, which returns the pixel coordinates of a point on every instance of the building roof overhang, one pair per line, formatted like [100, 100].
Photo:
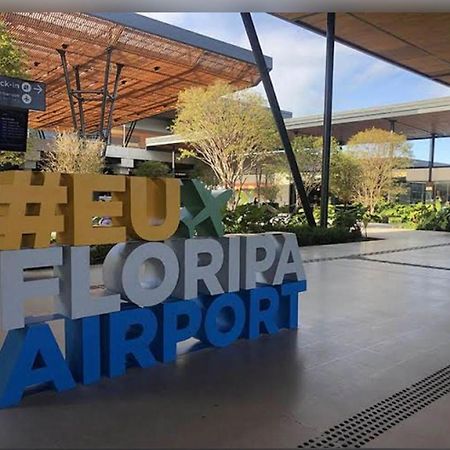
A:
[159, 60]
[416, 120]
[418, 42]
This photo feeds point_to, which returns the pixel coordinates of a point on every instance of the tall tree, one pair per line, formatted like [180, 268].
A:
[227, 130]
[379, 154]
[12, 64]
[345, 175]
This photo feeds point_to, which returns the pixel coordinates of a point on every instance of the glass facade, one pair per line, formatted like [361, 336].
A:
[419, 192]
[442, 191]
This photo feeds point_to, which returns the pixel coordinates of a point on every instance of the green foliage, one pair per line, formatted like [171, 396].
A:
[307, 235]
[205, 174]
[251, 218]
[418, 216]
[11, 160]
[308, 153]
[345, 174]
[269, 192]
[12, 57]
[248, 218]
[12, 64]
[231, 132]
[349, 217]
[152, 169]
[380, 155]
[98, 253]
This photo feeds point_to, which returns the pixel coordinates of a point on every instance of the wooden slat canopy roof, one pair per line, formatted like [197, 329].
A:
[419, 42]
[416, 120]
[159, 60]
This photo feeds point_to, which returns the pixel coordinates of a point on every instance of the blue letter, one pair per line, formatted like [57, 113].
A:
[262, 311]
[179, 320]
[224, 319]
[30, 356]
[83, 348]
[128, 333]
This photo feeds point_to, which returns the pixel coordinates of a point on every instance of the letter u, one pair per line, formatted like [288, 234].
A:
[152, 208]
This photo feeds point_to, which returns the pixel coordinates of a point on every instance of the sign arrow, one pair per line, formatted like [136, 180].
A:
[21, 94]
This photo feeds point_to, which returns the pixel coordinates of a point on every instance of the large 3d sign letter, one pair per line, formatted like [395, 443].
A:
[123, 266]
[30, 208]
[15, 290]
[152, 208]
[31, 356]
[200, 274]
[78, 228]
[75, 300]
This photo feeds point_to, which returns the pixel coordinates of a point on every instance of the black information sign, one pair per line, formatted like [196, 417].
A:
[13, 130]
[23, 94]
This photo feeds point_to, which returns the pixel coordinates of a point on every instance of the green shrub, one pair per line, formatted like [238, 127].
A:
[98, 253]
[437, 219]
[320, 236]
[252, 218]
[349, 216]
[152, 169]
[418, 216]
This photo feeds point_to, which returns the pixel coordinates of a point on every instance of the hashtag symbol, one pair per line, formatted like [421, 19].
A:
[30, 209]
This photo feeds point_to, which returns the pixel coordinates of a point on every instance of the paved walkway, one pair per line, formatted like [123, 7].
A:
[374, 322]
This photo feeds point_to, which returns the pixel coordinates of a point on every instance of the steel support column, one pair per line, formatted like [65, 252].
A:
[113, 98]
[105, 94]
[275, 108]
[327, 117]
[62, 54]
[431, 163]
[79, 99]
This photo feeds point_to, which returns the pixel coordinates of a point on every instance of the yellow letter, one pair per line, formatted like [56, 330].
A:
[82, 209]
[30, 208]
[152, 208]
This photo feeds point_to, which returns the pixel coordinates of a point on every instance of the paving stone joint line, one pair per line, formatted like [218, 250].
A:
[380, 252]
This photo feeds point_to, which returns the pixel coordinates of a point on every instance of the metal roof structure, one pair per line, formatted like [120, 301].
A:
[416, 120]
[153, 62]
[417, 42]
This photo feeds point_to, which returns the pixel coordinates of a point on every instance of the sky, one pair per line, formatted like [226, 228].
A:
[299, 64]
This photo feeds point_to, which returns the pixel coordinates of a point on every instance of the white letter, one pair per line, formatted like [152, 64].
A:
[259, 253]
[201, 258]
[75, 299]
[143, 273]
[229, 274]
[14, 290]
[290, 266]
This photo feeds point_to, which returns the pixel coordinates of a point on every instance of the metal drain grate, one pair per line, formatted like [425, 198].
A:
[370, 423]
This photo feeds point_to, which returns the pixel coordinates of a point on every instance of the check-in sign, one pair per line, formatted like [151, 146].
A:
[22, 94]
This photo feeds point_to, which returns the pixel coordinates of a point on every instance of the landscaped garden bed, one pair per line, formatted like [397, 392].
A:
[344, 223]
[419, 216]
